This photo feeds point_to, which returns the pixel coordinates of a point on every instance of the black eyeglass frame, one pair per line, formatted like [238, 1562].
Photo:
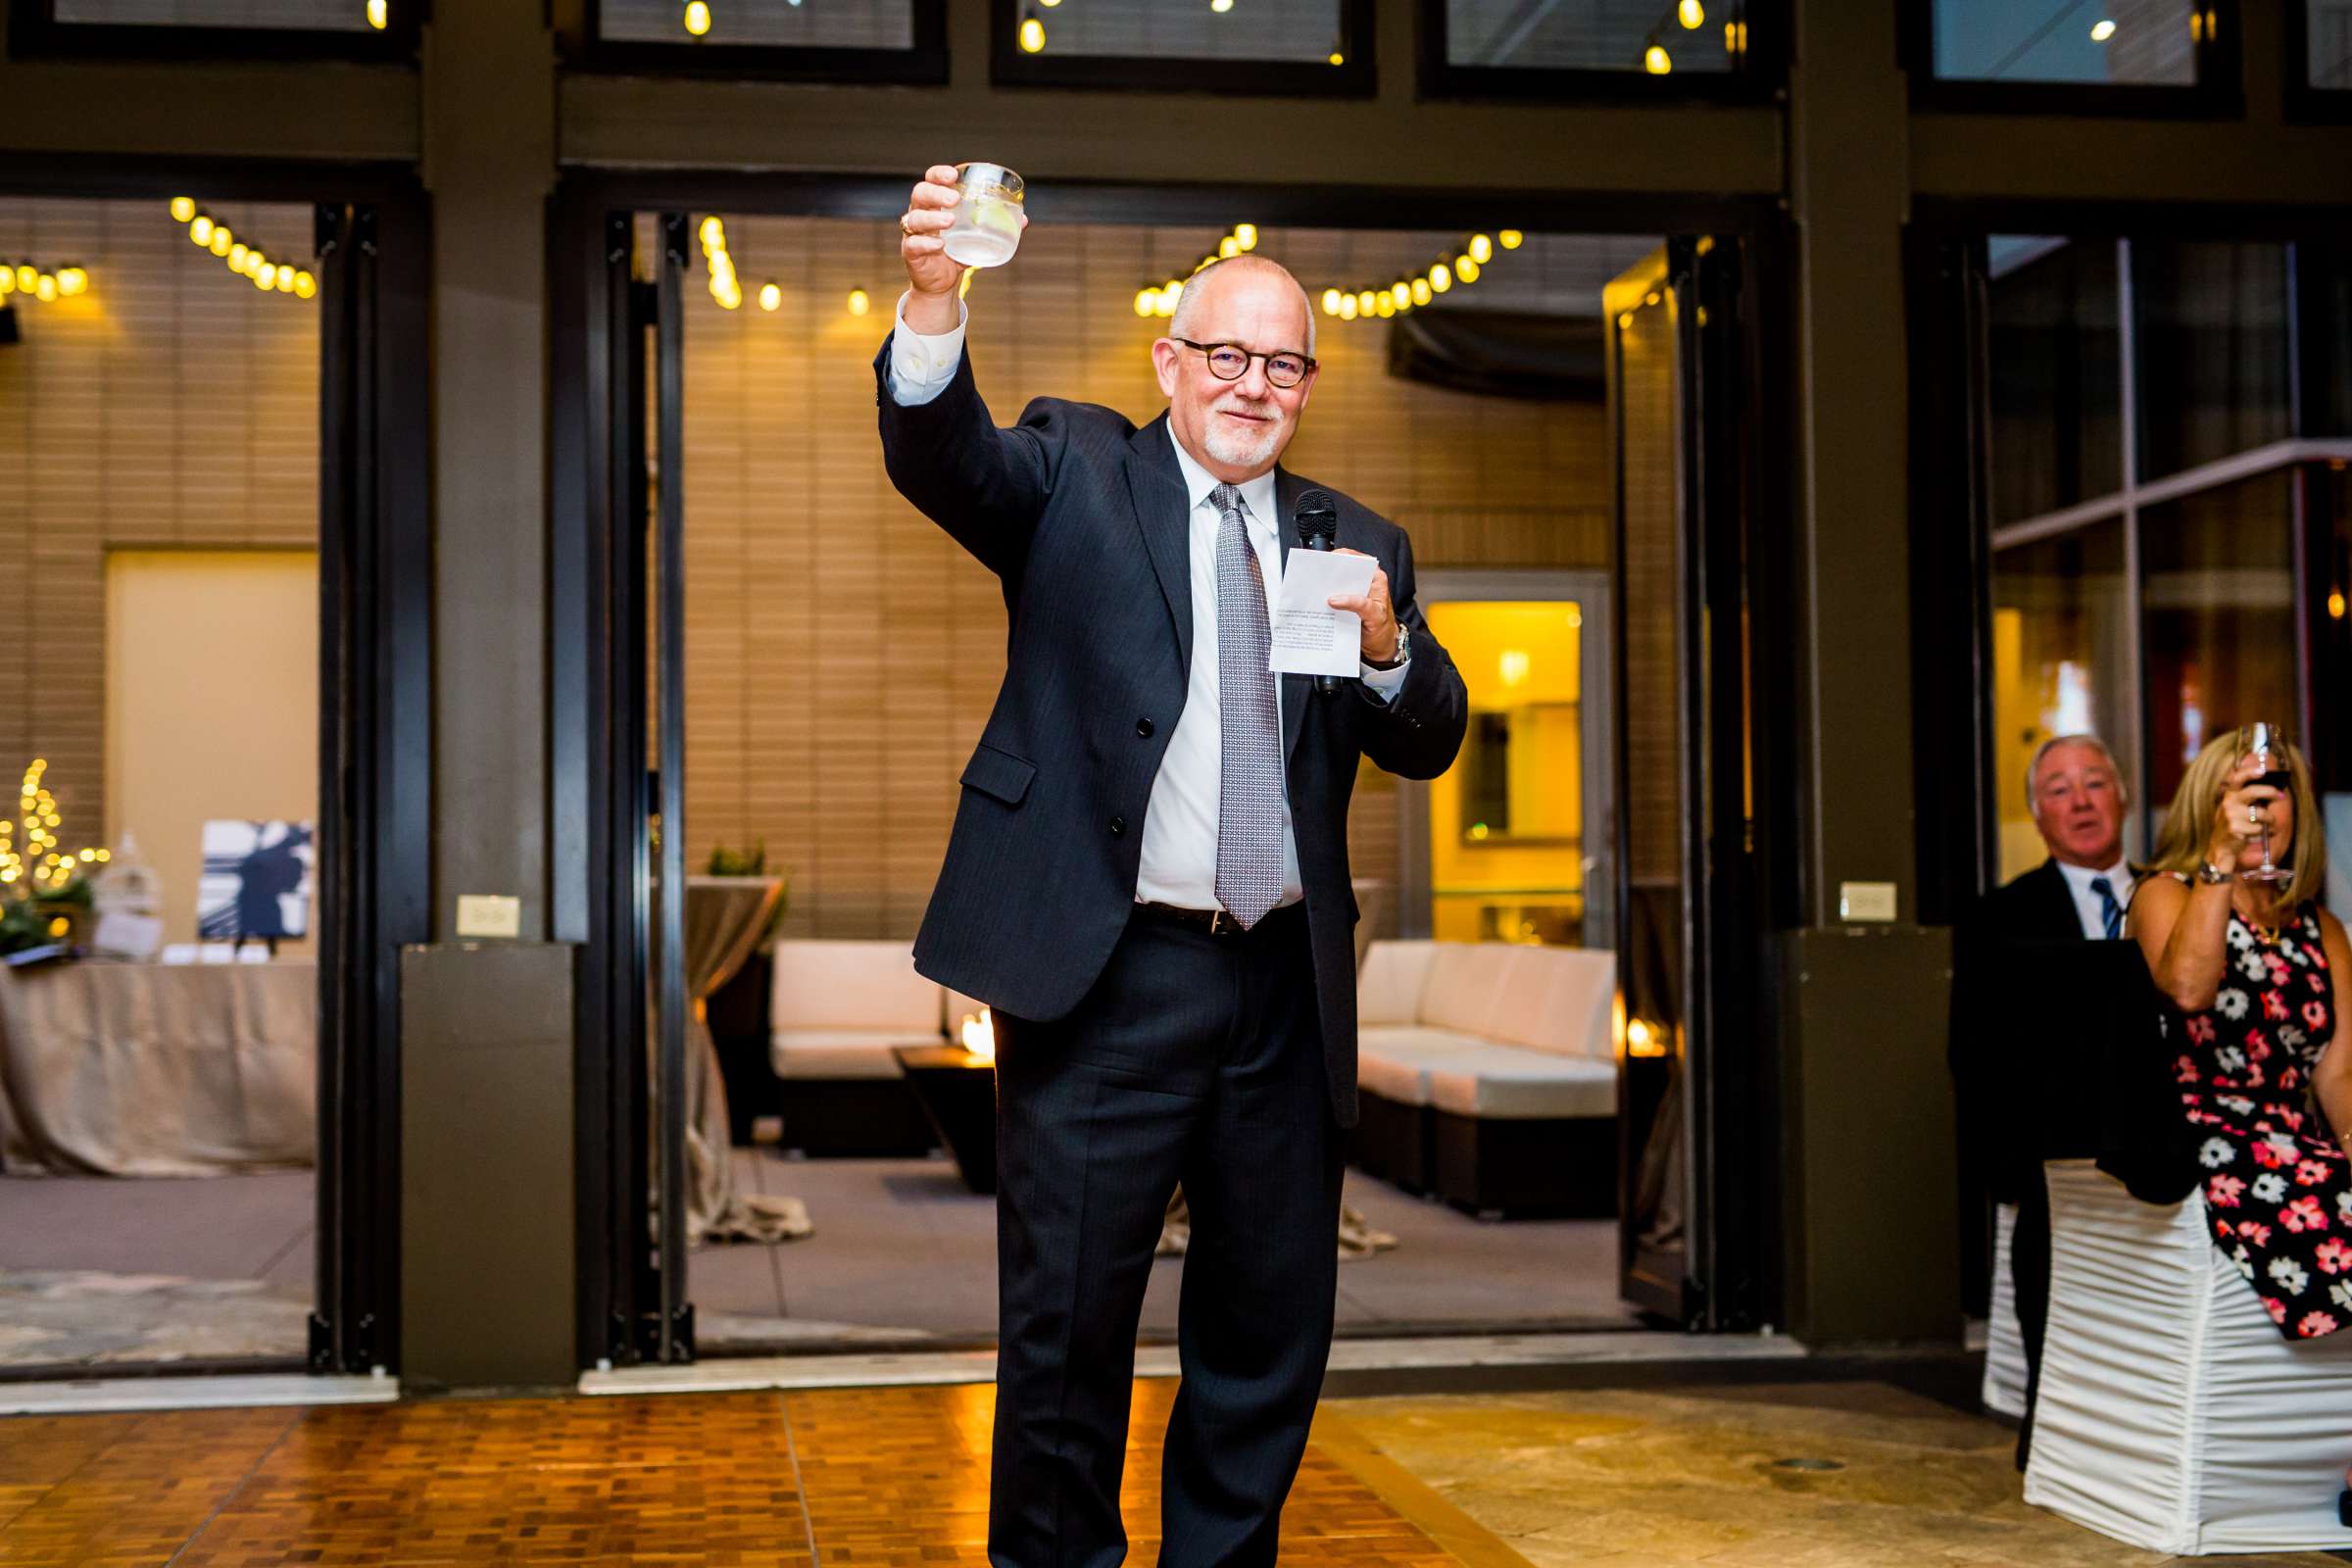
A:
[1208, 353]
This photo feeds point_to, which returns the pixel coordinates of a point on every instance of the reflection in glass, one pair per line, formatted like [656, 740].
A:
[2061, 665]
[307, 15]
[2056, 372]
[2144, 42]
[2211, 338]
[1656, 36]
[764, 24]
[1294, 32]
[1506, 840]
[2219, 601]
[2327, 57]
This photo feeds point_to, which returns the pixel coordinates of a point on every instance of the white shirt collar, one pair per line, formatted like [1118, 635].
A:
[1257, 494]
[2118, 875]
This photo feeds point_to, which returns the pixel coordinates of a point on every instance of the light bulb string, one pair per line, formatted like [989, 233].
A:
[240, 254]
[1458, 265]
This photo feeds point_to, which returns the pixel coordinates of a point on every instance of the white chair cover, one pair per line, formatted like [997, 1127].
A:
[2172, 1413]
[2005, 1340]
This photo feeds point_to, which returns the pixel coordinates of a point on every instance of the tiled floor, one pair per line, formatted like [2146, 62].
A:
[99, 1269]
[892, 1477]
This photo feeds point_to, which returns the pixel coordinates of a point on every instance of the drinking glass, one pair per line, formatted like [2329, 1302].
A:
[2268, 743]
[987, 229]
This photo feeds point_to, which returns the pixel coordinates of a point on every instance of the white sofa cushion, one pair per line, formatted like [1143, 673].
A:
[2172, 1413]
[1395, 1060]
[1558, 999]
[840, 1053]
[1465, 986]
[1511, 1083]
[1388, 989]
[822, 984]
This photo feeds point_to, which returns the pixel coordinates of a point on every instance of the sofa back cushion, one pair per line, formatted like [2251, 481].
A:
[1388, 989]
[851, 985]
[1558, 1000]
[1464, 989]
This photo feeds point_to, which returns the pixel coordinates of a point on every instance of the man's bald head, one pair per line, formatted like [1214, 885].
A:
[1191, 306]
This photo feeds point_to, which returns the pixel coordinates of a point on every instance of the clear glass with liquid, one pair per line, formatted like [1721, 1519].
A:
[987, 219]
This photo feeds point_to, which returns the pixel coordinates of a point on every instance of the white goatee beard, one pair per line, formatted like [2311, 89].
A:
[1235, 450]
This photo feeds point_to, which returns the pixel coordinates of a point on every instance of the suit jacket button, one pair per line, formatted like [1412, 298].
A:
[1143, 727]
[1119, 825]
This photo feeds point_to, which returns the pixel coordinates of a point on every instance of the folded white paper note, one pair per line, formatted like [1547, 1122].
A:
[1310, 638]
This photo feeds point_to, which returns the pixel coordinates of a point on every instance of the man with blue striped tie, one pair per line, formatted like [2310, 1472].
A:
[2000, 949]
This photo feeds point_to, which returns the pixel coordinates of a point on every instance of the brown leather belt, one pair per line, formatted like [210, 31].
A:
[1218, 922]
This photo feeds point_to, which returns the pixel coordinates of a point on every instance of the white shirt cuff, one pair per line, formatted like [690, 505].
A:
[1386, 683]
[920, 368]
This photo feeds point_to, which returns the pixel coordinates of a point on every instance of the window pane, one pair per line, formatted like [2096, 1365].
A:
[2329, 61]
[1598, 35]
[1307, 32]
[2135, 41]
[2061, 661]
[2211, 347]
[769, 23]
[321, 16]
[2056, 375]
[2326, 300]
[2219, 602]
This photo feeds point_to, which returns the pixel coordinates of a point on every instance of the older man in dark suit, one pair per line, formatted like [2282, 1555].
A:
[2012, 979]
[1147, 881]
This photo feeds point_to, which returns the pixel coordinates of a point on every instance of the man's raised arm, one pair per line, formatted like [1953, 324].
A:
[984, 486]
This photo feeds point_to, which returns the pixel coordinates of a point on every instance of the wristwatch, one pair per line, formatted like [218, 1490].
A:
[2210, 876]
[1404, 649]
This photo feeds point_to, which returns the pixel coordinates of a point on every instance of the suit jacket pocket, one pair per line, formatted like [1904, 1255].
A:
[998, 774]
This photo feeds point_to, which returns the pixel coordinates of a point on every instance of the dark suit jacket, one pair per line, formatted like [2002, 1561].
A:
[2056, 1048]
[1085, 518]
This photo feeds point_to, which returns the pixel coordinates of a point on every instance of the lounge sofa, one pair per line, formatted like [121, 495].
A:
[836, 1011]
[1487, 1075]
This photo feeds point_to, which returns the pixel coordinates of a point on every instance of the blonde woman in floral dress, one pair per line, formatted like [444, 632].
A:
[2262, 975]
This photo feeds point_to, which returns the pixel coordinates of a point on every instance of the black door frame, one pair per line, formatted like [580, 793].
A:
[598, 666]
[372, 227]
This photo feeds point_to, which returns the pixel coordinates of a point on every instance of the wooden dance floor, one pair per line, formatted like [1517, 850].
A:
[879, 1477]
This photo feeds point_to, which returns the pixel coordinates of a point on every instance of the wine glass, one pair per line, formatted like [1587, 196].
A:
[2268, 743]
[987, 229]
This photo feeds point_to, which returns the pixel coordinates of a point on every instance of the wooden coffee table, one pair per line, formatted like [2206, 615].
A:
[958, 1092]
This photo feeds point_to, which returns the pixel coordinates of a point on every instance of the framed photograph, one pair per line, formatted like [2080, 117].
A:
[256, 881]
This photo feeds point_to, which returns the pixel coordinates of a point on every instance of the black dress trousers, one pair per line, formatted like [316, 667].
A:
[1194, 1059]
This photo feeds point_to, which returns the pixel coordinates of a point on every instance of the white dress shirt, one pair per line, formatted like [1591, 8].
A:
[2086, 899]
[1180, 823]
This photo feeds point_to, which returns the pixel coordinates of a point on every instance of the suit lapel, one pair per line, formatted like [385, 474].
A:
[1155, 487]
[1297, 690]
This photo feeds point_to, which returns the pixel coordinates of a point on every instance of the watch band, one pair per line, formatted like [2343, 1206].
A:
[1404, 649]
[2211, 876]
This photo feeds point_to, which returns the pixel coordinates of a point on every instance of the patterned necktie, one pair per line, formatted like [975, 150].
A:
[1250, 792]
[2108, 908]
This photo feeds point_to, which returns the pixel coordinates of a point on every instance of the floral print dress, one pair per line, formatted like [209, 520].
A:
[2277, 1185]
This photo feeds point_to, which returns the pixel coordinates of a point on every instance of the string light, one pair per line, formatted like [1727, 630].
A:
[1032, 35]
[697, 18]
[1460, 266]
[770, 296]
[38, 815]
[725, 286]
[1692, 14]
[45, 285]
[1656, 61]
[1220, 7]
[859, 302]
[2102, 30]
[378, 16]
[240, 256]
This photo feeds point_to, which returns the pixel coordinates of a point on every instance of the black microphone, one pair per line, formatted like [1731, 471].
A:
[1318, 523]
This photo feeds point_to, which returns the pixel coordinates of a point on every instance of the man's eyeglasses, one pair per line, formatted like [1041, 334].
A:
[1230, 362]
